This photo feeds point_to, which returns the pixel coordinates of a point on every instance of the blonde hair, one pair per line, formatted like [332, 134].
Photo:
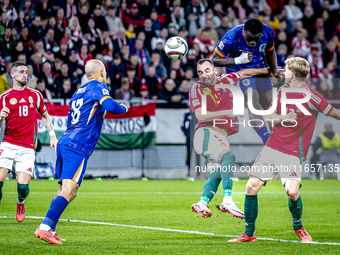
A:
[70, 24]
[299, 67]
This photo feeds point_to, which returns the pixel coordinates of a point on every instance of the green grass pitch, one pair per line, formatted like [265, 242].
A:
[163, 206]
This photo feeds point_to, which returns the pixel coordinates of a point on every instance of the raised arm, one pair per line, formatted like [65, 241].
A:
[250, 72]
[112, 106]
[49, 127]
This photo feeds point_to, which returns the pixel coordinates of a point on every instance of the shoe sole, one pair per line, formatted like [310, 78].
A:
[237, 215]
[202, 213]
[46, 240]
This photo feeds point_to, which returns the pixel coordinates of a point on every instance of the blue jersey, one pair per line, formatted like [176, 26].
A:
[233, 44]
[85, 118]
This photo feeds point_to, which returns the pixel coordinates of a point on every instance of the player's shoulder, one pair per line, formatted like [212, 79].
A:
[8, 92]
[232, 33]
[267, 28]
[267, 32]
[33, 91]
[195, 89]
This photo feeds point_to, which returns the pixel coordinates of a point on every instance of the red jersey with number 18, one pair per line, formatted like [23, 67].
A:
[21, 123]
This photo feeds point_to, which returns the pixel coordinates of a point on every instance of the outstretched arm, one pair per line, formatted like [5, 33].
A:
[210, 116]
[250, 72]
[335, 114]
[49, 127]
[272, 63]
[112, 106]
[244, 58]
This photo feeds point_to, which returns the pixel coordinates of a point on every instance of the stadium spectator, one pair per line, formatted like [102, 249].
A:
[191, 61]
[61, 20]
[161, 71]
[216, 21]
[39, 47]
[10, 10]
[46, 94]
[117, 70]
[36, 63]
[65, 74]
[36, 31]
[169, 92]
[125, 54]
[143, 54]
[223, 28]
[144, 92]
[134, 17]
[294, 13]
[124, 92]
[84, 55]
[31, 78]
[177, 18]
[20, 22]
[149, 33]
[74, 67]
[18, 49]
[22, 58]
[44, 10]
[7, 43]
[49, 78]
[122, 11]
[196, 7]
[308, 20]
[152, 82]
[130, 32]
[189, 74]
[143, 8]
[233, 21]
[6, 80]
[192, 24]
[184, 90]
[273, 20]
[71, 9]
[156, 23]
[83, 14]
[63, 52]
[212, 33]
[28, 9]
[121, 40]
[331, 54]
[66, 90]
[282, 51]
[2, 66]
[98, 18]
[75, 27]
[302, 44]
[138, 67]
[114, 23]
[133, 80]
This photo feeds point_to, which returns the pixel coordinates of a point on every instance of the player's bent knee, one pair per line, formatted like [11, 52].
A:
[253, 186]
[293, 194]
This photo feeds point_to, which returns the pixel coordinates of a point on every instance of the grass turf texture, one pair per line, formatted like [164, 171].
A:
[166, 204]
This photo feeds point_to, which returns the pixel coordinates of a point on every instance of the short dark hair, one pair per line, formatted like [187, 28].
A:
[66, 79]
[17, 64]
[40, 80]
[203, 60]
[254, 26]
[116, 56]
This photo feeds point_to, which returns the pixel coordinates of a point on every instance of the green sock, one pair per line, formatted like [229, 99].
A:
[227, 163]
[23, 191]
[295, 208]
[211, 186]
[1, 184]
[250, 214]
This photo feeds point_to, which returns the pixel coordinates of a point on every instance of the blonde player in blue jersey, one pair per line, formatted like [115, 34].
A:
[85, 119]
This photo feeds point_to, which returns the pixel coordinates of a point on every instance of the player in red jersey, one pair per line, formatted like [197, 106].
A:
[210, 138]
[19, 106]
[287, 145]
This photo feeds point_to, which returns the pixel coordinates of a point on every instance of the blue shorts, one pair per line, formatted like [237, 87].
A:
[71, 164]
[259, 83]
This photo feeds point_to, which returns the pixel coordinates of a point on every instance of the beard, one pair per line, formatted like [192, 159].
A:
[208, 81]
[22, 83]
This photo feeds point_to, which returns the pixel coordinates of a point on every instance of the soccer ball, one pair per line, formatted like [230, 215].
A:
[176, 48]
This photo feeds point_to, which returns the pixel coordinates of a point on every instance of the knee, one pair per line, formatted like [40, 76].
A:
[253, 187]
[293, 194]
[69, 194]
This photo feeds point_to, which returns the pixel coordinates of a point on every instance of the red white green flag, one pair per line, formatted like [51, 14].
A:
[123, 131]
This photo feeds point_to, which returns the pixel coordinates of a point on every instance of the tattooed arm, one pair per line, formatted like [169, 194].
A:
[49, 127]
[335, 114]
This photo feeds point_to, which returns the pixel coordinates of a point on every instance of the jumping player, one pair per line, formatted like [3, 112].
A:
[285, 148]
[85, 119]
[243, 47]
[20, 107]
[210, 140]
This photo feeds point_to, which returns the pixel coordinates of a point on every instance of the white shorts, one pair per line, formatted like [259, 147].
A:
[271, 163]
[23, 158]
[209, 143]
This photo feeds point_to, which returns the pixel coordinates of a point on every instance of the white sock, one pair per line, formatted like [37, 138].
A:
[202, 202]
[228, 199]
[44, 227]
[20, 203]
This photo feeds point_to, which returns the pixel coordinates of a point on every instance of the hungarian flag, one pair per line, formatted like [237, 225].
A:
[130, 130]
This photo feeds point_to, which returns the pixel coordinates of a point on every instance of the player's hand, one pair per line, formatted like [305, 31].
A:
[290, 117]
[4, 113]
[124, 106]
[250, 55]
[53, 142]
[229, 113]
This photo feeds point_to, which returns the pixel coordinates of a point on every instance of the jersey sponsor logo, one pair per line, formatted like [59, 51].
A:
[30, 99]
[22, 100]
[13, 101]
[105, 92]
[262, 47]
[81, 90]
[195, 102]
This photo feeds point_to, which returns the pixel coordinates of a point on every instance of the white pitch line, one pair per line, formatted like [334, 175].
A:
[176, 193]
[176, 230]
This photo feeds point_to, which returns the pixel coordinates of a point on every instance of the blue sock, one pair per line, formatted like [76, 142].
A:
[54, 226]
[56, 209]
[264, 134]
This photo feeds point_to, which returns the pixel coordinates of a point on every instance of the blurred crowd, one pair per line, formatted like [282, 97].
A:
[56, 38]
